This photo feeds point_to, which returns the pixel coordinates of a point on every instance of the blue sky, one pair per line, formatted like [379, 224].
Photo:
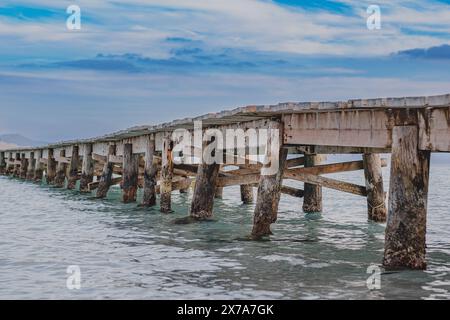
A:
[148, 61]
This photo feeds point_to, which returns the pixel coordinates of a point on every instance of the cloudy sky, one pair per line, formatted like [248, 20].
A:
[148, 61]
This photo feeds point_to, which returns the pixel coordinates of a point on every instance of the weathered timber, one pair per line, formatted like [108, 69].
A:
[205, 186]
[61, 170]
[87, 169]
[130, 174]
[94, 185]
[105, 179]
[166, 175]
[17, 163]
[374, 184]
[408, 192]
[51, 167]
[218, 193]
[151, 169]
[2, 163]
[266, 209]
[329, 168]
[246, 193]
[312, 199]
[23, 167]
[329, 183]
[73, 168]
[31, 167]
[298, 193]
[39, 167]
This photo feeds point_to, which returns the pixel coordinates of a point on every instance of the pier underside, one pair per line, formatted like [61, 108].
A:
[293, 138]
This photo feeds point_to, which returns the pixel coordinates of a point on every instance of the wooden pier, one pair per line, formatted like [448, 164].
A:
[144, 157]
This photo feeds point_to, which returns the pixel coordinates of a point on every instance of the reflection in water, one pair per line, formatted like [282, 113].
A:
[129, 252]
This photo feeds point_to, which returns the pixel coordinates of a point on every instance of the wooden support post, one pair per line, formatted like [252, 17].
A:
[312, 200]
[16, 172]
[23, 166]
[218, 194]
[10, 167]
[105, 179]
[266, 209]
[31, 167]
[166, 175]
[61, 170]
[247, 193]
[87, 169]
[2, 163]
[406, 226]
[205, 187]
[150, 171]
[51, 167]
[38, 169]
[374, 184]
[130, 174]
[73, 169]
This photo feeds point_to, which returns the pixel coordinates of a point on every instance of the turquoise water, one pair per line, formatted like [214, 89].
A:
[126, 252]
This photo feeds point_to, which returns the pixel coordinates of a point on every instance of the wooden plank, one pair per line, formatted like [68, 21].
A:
[60, 159]
[115, 159]
[434, 130]
[329, 168]
[349, 128]
[298, 193]
[329, 183]
[99, 158]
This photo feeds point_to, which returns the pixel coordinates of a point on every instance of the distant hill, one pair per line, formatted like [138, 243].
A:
[18, 140]
[4, 145]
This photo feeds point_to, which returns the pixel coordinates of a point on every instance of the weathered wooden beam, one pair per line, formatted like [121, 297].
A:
[51, 167]
[312, 199]
[269, 188]
[115, 159]
[61, 159]
[105, 180]
[329, 183]
[94, 185]
[218, 193]
[408, 193]
[232, 180]
[151, 169]
[338, 150]
[434, 129]
[17, 163]
[61, 170]
[23, 166]
[298, 193]
[87, 168]
[246, 193]
[31, 167]
[73, 168]
[2, 163]
[205, 185]
[39, 168]
[99, 158]
[166, 175]
[130, 174]
[329, 168]
[10, 165]
[374, 184]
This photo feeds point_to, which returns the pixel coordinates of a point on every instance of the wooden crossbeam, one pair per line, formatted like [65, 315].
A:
[62, 160]
[329, 168]
[331, 183]
[99, 158]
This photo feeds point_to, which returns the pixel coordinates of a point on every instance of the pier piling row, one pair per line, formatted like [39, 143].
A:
[409, 129]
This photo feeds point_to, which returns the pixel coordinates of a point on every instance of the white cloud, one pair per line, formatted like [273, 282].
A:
[250, 24]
